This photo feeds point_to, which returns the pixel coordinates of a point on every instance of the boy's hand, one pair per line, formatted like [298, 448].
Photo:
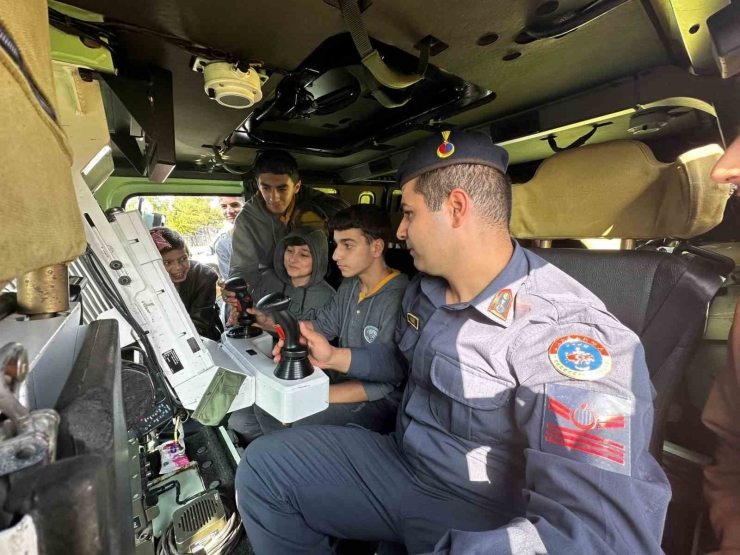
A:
[229, 297]
[319, 350]
[263, 320]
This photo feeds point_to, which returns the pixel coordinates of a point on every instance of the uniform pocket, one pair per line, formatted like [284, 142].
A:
[470, 402]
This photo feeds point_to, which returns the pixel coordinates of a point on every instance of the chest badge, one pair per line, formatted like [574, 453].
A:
[501, 304]
[580, 357]
[446, 149]
[370, 333]
[412, 320]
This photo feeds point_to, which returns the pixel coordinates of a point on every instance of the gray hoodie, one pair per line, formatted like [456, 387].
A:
[257, 231]
[304, 301]
[358, 323]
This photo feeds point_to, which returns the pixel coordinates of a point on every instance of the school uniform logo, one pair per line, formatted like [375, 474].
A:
[580, 357]
[370, 333]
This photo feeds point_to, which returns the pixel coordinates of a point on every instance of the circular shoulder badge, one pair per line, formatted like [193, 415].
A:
[580, 357]
[370, 333]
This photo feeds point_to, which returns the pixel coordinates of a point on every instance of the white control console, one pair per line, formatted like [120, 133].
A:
[286, 400]
[127, 254]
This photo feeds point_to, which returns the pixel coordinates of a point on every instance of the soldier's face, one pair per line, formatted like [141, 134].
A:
[423, 231]
[727, 170]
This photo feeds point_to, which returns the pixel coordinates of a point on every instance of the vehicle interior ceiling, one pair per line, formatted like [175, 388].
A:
[540, 77]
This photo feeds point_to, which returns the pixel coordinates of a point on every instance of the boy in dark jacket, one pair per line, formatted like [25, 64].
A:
[195, 283]
[364, 310]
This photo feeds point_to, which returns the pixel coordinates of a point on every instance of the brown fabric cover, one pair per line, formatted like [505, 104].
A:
[40, 222]
[619, 190]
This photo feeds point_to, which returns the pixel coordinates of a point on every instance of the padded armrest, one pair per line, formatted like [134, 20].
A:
[619, 190]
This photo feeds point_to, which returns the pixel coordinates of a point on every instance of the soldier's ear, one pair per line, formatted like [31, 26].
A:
[458, 204]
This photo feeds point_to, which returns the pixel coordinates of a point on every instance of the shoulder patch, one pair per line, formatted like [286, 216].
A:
[580, 357]
[588, 426]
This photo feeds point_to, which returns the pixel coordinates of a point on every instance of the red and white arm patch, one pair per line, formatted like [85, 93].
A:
[587, 426]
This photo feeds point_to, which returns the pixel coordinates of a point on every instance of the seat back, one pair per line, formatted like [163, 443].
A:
[662, 297]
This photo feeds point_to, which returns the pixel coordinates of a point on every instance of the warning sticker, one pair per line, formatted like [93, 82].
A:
[172, 360]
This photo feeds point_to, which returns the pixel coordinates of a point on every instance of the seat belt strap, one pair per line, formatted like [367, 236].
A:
[370, 57]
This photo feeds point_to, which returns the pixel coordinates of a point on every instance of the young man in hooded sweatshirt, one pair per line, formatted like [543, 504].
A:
[299, 266]
[364, 310]
[280, 205]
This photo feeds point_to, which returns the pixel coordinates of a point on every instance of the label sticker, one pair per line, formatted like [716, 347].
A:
[173, 361]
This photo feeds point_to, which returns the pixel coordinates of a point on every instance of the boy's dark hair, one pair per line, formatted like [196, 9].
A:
[277, 162]
[171, 236]
[371, 220]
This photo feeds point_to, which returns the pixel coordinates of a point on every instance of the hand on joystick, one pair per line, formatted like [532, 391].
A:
[294, 363]
[239, 287]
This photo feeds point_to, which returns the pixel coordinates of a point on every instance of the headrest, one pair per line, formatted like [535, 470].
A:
[619, 190]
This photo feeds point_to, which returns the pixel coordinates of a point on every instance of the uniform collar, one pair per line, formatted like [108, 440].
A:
[495, 302]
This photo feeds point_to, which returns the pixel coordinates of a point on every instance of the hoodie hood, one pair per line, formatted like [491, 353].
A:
[317, 243]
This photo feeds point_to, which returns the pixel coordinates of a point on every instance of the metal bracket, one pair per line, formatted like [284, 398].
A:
[146, 102]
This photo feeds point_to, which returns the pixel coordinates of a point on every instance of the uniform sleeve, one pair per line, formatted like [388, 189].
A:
[203, 311]
[722, 480]
[245, 259]
[328, 320]
[591, 485]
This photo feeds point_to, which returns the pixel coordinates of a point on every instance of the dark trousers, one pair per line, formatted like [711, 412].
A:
[300, 487]
[378, 416]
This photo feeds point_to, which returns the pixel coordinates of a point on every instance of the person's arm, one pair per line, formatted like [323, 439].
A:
[328, 320]
[245, 254]
[347, 392]
[223, 257]
[722, 480]
[387, 325]
[381, 362]
[591, 485]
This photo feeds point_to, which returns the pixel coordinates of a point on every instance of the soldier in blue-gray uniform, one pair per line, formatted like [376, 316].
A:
[525, 424]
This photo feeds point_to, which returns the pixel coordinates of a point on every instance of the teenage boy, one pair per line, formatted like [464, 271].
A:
[363, 311]
[280, 205]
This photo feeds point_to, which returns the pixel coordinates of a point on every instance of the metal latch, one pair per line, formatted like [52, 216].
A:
[26, 438]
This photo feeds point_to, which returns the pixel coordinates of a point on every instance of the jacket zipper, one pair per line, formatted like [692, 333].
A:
[8, 46]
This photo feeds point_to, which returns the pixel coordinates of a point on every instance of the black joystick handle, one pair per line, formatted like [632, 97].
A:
[294, 363]
[239, 286]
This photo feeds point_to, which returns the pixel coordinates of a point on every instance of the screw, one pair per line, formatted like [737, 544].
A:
[116, 264]
[124, 280]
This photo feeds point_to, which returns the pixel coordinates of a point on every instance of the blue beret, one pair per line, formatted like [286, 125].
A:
[449, 148]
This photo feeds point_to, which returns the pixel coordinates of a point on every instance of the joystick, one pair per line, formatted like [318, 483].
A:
[246, 321]
[294, 364]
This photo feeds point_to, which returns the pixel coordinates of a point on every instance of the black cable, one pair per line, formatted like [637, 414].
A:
[94, 266]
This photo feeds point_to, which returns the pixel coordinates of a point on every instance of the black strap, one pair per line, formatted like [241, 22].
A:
[685, 305]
